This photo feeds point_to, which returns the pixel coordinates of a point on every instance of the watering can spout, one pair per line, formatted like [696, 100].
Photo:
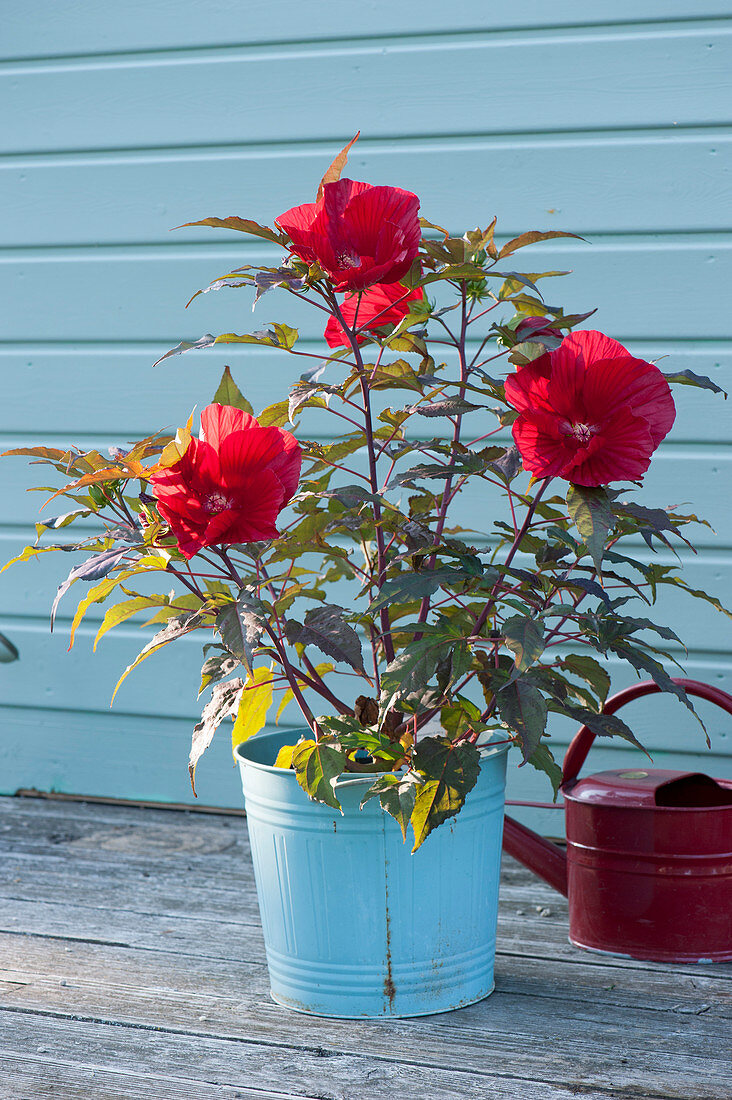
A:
[545, 859]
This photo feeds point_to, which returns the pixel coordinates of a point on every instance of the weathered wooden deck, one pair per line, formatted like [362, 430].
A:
[132, 965]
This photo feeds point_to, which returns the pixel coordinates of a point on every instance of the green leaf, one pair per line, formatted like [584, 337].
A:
[216, 667]
[275, 415]
[55, 522]
[396, 375]
[460, 715]
[525, 638]
[206, 341]
[543, 760]
[28, 554]
[448, 773]
[240, 626]
[99, 593]
[222, 704]
[176, 628]
[288, 695]
[524, 710]
[228, 393]
[531, 238]
[447, 406]
[602, 725]
[412, 586]
[125, 610]
[526, 352]
[698, 593]
[317, 767]
[241, 225]
[397, 794]
[688, 378]
[411, 669]
[593, 516]
[643, 662]
[279, 336]
[326, 628]
[99, 565]
[457, 272]
[588, 669]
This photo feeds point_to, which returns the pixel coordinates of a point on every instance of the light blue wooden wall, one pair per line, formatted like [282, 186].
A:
[120, 121]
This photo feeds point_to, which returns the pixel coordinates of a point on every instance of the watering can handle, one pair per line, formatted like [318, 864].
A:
[582, 740]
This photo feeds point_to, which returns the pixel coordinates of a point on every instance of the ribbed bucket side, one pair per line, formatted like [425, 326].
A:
[354, 924]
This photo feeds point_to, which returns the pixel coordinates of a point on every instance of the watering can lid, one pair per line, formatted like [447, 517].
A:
[642, 787]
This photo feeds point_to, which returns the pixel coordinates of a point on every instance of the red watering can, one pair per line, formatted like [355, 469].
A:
[648, 868]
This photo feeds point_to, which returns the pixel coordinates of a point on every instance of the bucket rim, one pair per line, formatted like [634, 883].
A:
[487, 751]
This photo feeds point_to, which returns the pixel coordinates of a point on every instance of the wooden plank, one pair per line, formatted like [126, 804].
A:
[90, 26]
[216, 892]
[657, 76]
[64, 1078]
[167, 683]
[694, 478]
[559, 1019]
[595, 183]
[100, 982]
[27, 590]
[162, 985]
[179, 1066]
[532, 918]
[229, 1010]
[264, 375]
[139, 294]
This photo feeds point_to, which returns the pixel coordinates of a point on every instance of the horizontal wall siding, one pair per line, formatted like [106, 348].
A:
[510, 82]
[123, 121]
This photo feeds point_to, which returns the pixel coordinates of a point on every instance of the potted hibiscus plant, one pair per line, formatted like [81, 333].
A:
[328, 570]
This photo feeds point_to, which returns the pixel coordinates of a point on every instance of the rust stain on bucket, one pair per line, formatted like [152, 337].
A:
[389, 987]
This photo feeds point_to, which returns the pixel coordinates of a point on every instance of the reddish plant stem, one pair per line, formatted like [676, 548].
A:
[491, 602]
[279, 649]
[373, 475]
[446, 495]
[319, 684]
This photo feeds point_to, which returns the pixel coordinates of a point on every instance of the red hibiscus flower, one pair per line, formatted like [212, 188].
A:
[589, 412]
[382, 304]
[359, 234]
[230, 484]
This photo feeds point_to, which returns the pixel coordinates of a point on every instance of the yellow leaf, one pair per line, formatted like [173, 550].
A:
[256, 699]
[322, 669]
[178, 447]
[28, 554]
[284, 756]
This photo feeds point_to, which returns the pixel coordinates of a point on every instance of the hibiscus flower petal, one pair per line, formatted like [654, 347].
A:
[243, 454]
[633, 384]
[298, 223]
[219, 421]
[287, 464]
[253, 514]
[528, 387]
[591, 345]
[544, 451]
[383, 213]
[338, 194]
[620, 452]
[378, 306]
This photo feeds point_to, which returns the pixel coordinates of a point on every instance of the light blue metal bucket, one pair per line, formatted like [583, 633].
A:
[354, 924]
